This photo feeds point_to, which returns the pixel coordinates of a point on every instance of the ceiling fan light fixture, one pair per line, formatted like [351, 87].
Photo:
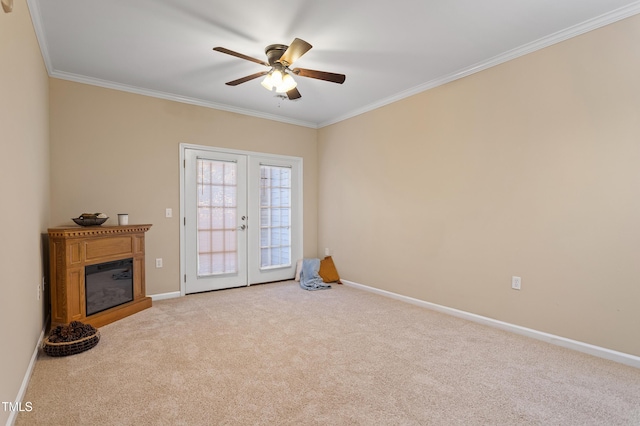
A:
[266, 83]
[278, 81]
[276, 78]
[288, 83]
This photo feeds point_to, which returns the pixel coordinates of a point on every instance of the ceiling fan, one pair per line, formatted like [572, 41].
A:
[279, 77]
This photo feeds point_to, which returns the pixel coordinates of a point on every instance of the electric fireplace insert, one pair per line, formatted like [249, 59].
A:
[108, 284]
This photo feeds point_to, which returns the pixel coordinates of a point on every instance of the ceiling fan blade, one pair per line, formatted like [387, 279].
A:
[247, 78]
[294, 94]
[320, 75]
[297, 48]
[241, 56]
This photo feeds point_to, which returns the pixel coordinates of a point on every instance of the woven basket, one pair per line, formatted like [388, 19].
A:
[70, 348]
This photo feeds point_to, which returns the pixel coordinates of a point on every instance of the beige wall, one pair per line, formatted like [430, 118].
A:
[118, 152]
[24, 190]
[530, 168]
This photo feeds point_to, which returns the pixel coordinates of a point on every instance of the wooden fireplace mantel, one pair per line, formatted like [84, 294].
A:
[73, 248]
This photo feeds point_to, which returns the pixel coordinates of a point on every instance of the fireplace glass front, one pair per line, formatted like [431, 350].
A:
[108, 284]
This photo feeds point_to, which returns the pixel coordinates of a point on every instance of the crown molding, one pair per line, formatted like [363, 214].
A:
[36, 19]
[172, 97]
[560, 36]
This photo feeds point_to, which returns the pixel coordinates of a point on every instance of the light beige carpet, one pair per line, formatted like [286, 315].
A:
[275, 354]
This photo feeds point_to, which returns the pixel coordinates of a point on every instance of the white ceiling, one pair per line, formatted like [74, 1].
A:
[387, 49]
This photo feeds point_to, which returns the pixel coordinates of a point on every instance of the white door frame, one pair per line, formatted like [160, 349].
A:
[298, 212]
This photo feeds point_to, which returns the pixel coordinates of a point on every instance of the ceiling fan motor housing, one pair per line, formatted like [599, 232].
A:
[274, 52]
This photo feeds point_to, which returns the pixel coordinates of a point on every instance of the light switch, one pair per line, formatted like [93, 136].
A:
[168, 213]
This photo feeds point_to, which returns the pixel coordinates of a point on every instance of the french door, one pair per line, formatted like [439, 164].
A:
[242, 218]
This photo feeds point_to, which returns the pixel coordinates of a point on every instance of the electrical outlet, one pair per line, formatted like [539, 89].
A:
[516, 283]
[168, 213]
[326, 251]
[159, 262]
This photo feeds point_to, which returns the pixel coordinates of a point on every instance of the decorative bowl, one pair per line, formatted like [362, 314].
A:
[89, 221]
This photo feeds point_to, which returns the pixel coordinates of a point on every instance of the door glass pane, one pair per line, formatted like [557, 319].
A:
[217, 206]
[275, 214]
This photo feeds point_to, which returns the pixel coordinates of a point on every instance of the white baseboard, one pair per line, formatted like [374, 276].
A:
[27, 376]
[163, 296]
[621, 357]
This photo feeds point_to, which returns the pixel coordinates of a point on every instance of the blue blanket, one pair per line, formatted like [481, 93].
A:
[309, 278]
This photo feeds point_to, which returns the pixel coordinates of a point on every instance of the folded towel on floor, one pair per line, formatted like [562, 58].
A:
[309, 277]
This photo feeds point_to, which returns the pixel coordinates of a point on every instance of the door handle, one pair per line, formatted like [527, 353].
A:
[242, 227]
